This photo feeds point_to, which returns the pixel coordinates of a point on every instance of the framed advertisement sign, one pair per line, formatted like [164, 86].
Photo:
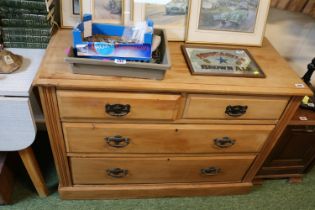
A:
[221, 61]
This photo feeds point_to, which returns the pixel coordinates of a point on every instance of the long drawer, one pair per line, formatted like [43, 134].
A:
[234, 107]
[159, 170]
[104, 105]
[164, 138]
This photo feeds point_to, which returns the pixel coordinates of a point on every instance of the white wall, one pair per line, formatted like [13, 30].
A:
[293, 35]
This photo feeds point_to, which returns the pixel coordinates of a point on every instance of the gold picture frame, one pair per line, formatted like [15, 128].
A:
[233, 22]
[67, 18]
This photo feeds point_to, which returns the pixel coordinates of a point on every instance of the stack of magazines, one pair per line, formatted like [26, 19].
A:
[27, 23]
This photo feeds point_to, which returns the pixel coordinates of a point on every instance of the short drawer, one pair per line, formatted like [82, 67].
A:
[159, 170]
[234, 107]
[164, 138]
[103, 105]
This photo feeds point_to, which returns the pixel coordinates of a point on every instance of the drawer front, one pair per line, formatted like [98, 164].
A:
[100, 105]
[164, 138]
[234, 107]
[159, 170]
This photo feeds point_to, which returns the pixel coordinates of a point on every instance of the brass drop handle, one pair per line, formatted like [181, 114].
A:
[117, 172]
[235, 111]
[117, 141]
[210, 171]
[224, 142]
[117, 110]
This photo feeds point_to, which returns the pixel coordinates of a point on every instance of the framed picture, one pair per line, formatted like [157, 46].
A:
[203, 60]
[76, 8]
[236, 22]
[70, 13]
[167, 14]
[86, 7]
[108, 11]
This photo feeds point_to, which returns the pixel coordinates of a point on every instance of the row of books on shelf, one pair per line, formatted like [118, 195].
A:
[41, 5]
[27, 23]
[25, 45]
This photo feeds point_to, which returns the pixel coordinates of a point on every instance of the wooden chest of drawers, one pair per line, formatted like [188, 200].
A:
[182, 136]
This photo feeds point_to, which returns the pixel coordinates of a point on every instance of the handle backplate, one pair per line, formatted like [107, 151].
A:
[117, 141]
[117, 172]
[117, 110]
[210, 171]
[224, 142]
[235, 111]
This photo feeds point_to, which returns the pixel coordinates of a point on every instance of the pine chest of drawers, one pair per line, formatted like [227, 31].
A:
[183, 136]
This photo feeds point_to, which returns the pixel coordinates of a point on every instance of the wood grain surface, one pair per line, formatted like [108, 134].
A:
[214, 107]
[84, 104]
[171, 153]
[33, 170]
[152, 190]
[159, 170]
[164, 138]
[280, 78]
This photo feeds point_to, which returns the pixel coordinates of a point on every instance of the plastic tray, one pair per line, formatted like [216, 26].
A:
[129, 69]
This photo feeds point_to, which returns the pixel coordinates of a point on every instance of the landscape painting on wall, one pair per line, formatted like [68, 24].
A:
[108, 11]
[170, 15]
[172, 12]
[227, 15]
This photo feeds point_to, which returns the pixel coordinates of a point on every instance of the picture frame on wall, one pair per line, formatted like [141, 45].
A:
[76, 8]
[170, 15]
[108, 11]
[70, 13]
[235, 22]
[86, 7]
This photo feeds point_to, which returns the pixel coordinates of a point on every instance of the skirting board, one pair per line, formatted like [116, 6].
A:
[152, 190]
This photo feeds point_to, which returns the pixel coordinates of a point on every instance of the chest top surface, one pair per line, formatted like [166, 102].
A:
[280, 78]
[19, 82]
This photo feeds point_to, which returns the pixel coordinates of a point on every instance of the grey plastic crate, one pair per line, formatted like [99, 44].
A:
[130, 69]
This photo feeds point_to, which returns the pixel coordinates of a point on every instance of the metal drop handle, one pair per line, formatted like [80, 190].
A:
[117, 141]
[117, 172]
[117, 110]
[210, 171]
[224, 142]
[235, 111]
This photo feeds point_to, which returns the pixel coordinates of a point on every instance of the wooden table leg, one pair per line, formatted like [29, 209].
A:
[31, 165]
[6, 181]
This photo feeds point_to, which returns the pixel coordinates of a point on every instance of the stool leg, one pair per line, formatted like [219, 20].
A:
[6, 180]
[31, 165]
